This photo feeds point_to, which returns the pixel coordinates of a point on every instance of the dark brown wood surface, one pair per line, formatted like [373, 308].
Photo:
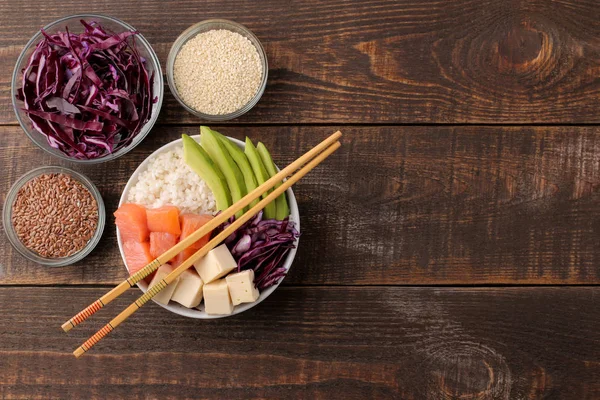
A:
[463, 61]
[313, 343]
[397, 205]
[470, 161]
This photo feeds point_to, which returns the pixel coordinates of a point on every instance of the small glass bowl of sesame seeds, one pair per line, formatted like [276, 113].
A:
[53, 216]
[217, 69]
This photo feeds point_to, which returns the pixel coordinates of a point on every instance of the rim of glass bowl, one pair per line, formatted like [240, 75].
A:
[205, 26]
[32, 256]
[158, 82]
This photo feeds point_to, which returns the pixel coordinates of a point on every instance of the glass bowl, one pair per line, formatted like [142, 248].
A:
[72, 22]
[208, 25]
[33, 256]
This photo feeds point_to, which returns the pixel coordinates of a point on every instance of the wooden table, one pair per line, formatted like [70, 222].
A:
[450, 249]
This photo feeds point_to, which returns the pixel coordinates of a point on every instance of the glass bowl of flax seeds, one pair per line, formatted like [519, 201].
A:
[53, 216]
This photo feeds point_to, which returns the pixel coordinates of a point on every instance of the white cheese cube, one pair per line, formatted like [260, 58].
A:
[164, 295]
[216, 298]
[216, 264]
[241, 287]
[188, 292]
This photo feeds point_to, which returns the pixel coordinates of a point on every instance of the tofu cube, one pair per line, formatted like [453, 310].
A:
[216, 264]
[164, 295]
[188, 292]
[216, 298]
[241, 287]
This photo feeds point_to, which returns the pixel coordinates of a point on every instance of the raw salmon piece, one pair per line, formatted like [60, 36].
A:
[164, 219]
[161, 242]
[191, 223]
[184, 255]
[137, 255]
[132, 223]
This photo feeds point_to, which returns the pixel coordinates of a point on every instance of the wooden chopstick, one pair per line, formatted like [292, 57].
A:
[202, 252]
[205, 229]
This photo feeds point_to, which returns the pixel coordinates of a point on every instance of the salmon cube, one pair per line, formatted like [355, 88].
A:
[164, 219]
[190, 223]
[184, 255]
[160, 242]
[132, 222]
[137, 255]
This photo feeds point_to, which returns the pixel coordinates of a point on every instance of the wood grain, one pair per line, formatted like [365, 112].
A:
[398, 204]
[321, 343]
[395, 205]
[467, 61]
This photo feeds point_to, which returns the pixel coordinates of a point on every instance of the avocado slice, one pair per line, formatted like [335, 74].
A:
[220, 156]
[242, 162]
[281, 203]
[195, 156]
[261, 176]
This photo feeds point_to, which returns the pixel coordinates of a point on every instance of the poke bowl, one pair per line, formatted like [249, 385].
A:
[130, 195]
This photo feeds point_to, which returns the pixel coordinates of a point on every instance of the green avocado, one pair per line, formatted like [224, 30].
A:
[220, 156]
[195, 156]
[261, 176]
[242, 162]
[283, 210]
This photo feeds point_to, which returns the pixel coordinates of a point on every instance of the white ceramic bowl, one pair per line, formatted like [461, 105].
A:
[199, 312]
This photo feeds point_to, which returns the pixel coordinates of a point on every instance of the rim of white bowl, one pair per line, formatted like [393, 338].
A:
[193, 312]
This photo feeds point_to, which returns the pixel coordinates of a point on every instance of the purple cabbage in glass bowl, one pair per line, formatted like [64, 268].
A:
[87, 88]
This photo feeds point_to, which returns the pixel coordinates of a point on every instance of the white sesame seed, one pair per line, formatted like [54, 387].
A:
[217, 72]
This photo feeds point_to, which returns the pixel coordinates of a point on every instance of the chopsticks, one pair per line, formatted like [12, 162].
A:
[152, 291]
[330, 145]
[205, 229]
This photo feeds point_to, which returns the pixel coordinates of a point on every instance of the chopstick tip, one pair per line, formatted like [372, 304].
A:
[79, 352]
[67, 326]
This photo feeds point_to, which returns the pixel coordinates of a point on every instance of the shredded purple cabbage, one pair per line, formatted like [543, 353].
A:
[88, 94]
[261, 245]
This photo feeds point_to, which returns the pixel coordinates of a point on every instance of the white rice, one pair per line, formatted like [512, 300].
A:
[169, 181]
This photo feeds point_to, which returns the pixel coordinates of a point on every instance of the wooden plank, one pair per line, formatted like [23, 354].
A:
[395, 205]
[351, 343]
[468, 61]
